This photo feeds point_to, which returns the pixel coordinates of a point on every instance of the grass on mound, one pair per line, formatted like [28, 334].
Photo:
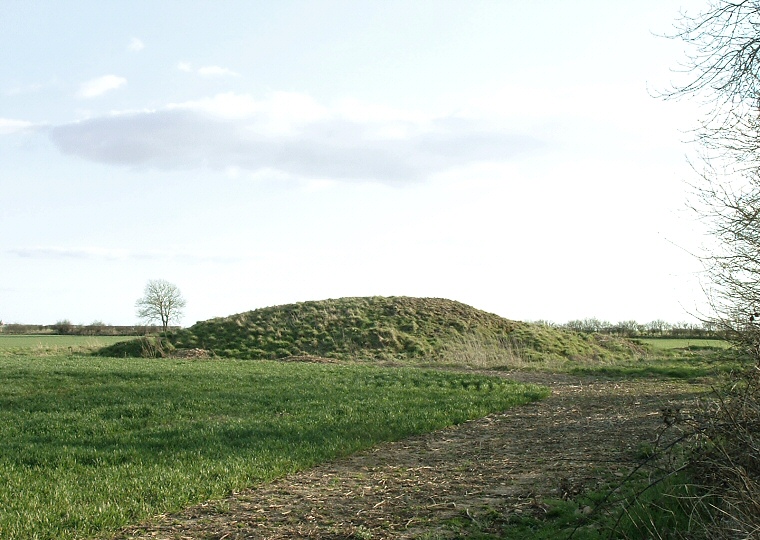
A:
[88, 445]
[393, 328]
[660, 361]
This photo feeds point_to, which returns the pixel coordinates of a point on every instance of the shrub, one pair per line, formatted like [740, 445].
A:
[63, 327]
[727, 457]
[143, 347]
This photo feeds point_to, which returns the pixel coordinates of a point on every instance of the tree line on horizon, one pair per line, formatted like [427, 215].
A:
[67, 328]
[161, 302]
[630, 328]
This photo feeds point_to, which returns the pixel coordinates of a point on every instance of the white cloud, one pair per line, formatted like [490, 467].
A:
[9, 126]
[216, 71]
[69, 253]
[292, 134]
[361, 111]
[207, 71]
[101, 85]
[18, 90]
[281, 113]
[136, 45]
[291, 108]
[110, 254]
[227, 105]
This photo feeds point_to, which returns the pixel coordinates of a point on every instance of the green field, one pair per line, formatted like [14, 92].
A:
[668, 358]
[664, 344]
[53, 344]
[89, 444]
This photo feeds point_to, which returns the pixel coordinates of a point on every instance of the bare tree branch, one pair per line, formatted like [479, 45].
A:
[161, 302]
[724, 67]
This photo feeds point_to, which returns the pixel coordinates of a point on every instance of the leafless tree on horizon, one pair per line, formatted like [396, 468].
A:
[161, 302]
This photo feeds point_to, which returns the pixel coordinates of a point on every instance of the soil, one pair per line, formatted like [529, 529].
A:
[503, 464]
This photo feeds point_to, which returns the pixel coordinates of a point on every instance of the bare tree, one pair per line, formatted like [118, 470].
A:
[627, 328]
[657, 327]
[63, 327]
[723, 70]
[161, 302]
[724, 73]
[731, 211]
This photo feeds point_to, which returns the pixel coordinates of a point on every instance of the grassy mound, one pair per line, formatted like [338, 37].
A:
[393, 328]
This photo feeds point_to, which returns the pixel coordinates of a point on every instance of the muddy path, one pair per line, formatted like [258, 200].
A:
[504, 463]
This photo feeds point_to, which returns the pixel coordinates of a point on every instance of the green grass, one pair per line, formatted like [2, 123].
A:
[664, 358]
[405, 329]
[669, 358]
[687, 366]
[88, 444]
[54, 344]
[666, 344]
[572, 353]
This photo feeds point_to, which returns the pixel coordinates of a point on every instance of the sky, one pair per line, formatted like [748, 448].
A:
[510, 155]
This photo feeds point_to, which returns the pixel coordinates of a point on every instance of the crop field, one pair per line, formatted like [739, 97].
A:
[666, 358]
[90, 444]
[666, 344]
[53, 344]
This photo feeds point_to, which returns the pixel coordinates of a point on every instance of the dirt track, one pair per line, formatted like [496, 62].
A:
[505, 463]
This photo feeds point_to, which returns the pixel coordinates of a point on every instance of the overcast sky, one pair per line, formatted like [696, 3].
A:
[505, 154]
